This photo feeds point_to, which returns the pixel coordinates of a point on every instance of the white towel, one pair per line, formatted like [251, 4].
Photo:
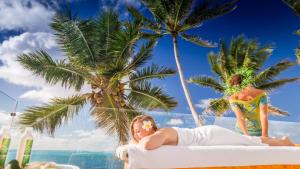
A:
[212, 135]
[121, 152]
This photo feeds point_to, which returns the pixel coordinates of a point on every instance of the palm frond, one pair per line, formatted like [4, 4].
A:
[273, 71]
[143, 55]
[223, 59]
[134, 62]
[122, 43]
[137, 14]
[217, 106]
[107, 23]
[169, 10]
[182, 10]
[297, 32]
[294, 4]
[276, 111]
[212, 60]
[50, 116]
[208, 9]
[72, 40]
[156, 8]
[40, 63]
[276, 84]
[151, 36]
[150, 72]
[206, 81]
[238, 51]
[257, 57]
[148, 24]
[197, 40]
[111, 118]
[298, 54]
[115, 124]
[143, 95]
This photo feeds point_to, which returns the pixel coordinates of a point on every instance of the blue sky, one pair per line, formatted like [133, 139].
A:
[268, 21]
[24, 28]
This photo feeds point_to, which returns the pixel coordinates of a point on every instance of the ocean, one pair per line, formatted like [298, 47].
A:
[83, 159]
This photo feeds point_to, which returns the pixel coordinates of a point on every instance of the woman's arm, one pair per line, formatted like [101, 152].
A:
[240, 119]
[126, 166]
[155, 140]
[263, 109]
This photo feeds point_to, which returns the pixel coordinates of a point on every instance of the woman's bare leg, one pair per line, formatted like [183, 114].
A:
[284, 141]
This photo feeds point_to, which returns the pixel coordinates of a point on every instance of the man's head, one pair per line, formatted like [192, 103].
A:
[142, 126]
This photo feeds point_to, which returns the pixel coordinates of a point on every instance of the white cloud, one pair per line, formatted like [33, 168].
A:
[28, 15]
[203, 103]
[4, 118]
[12, 72]
[46, 92]
[175, 122]
[94, 140]
[135, 3]
[119, 5]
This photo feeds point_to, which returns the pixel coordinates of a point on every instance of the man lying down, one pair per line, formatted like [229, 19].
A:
[147, 135]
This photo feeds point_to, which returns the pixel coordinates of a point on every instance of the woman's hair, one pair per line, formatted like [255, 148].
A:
[141, 118]
[236, 80]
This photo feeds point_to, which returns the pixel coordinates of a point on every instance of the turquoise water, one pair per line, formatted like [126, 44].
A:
[85, 160]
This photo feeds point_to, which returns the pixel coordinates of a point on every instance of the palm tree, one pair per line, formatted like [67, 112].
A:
[295, 5]
[241, 54]
[175, 18]
[103, 54]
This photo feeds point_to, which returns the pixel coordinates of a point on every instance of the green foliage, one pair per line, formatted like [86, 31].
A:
[41, 64]
[298, 54]
[50, 116]
[197, 40]
[294, 4]
[244, 57]
[145, 96]
[248, 79]
[207, 82]
[176, 17]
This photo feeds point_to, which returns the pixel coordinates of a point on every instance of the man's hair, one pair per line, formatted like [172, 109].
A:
[141, 118]
[236, 80]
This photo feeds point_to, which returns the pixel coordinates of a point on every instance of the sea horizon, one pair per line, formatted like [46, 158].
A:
[82, 159]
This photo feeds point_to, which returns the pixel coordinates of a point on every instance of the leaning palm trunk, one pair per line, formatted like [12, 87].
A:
[183, 83]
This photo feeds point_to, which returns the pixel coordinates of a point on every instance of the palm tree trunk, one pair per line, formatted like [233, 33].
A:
[183, 83]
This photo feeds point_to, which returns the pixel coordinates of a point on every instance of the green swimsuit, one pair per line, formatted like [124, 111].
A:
[250, 110]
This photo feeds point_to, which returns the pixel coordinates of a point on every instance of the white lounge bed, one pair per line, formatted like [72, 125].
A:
[208, 156]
